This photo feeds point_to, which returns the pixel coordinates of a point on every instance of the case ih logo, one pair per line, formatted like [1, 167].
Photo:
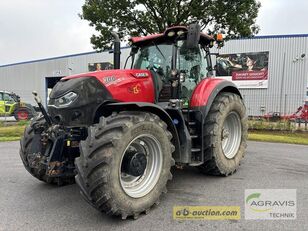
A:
[135, 89]
[141, 75]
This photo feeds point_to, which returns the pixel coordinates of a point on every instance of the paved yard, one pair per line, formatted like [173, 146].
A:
[28, 204]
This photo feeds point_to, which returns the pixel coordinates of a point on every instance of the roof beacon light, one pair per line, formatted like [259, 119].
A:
[219, 37]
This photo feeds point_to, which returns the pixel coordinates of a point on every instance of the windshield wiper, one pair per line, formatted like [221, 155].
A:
[159, 50]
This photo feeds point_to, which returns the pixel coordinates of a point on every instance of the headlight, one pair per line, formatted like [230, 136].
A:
[65, 100]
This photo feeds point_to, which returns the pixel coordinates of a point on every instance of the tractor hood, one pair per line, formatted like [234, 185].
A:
[75, 100]
[123, 85]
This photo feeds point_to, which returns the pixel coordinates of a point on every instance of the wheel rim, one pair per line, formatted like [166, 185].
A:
[231, 135]
[140, 186]
[22, 115]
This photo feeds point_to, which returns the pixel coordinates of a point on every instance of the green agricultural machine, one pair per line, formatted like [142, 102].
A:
[10, 105]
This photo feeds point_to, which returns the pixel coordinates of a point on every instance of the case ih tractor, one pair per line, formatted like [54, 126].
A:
[119, 132]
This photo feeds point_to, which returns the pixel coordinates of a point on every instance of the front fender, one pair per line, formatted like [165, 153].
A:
[146, 107]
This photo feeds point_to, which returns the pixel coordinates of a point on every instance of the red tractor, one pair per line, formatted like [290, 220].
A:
[119, 132]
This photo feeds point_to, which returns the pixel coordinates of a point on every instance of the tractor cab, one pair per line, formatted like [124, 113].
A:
[7, 103]
[178, 60]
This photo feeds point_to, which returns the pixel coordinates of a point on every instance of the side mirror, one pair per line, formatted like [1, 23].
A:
[193, 36]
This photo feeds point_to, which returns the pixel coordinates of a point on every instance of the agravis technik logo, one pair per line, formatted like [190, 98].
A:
[270, 203]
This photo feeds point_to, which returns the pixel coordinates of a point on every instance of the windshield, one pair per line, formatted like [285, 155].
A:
[7, 97]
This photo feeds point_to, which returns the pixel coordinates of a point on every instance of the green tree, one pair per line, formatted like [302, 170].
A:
[143, 17]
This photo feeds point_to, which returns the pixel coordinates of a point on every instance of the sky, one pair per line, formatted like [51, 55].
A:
[37, 29]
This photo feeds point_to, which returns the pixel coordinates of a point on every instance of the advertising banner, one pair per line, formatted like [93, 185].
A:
[246, 70]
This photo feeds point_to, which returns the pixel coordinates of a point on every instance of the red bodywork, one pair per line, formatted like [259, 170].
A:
[203, 91]
[137, 86]
[149, 37]
[125, 85]
[139, 41]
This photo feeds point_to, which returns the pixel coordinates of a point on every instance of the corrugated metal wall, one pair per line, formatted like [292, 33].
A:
[282, 96]
[288, 77]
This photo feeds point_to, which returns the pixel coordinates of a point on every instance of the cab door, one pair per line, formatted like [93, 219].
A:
[192, 63]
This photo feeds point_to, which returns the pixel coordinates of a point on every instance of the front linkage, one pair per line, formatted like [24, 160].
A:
[54, 147]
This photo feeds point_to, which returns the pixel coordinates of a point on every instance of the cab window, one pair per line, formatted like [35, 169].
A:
[7, 97]
[192, 61]
[155, 57]
[1, 97]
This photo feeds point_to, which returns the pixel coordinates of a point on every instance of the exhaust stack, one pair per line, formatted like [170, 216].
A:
[116, 50]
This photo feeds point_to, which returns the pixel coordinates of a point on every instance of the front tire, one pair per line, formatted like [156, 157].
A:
[225, 135]
[102, 175]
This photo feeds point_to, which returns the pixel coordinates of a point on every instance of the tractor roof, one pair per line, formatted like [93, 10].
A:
[7, 92]
[157, 38]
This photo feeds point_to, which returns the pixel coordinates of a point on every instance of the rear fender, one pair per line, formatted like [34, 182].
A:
[206, 92]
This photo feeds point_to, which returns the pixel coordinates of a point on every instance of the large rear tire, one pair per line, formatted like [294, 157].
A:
[33, 161]
[225, 135]
[23, 114]
[101, 173]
